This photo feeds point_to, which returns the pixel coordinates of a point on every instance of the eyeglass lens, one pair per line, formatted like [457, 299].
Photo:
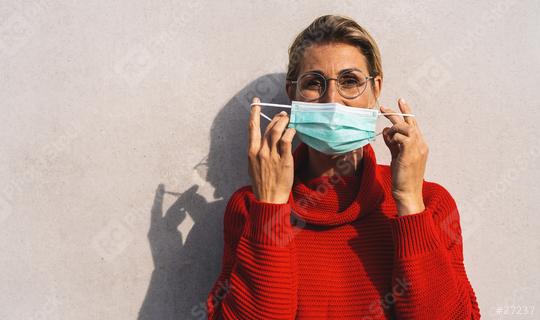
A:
[350, 84]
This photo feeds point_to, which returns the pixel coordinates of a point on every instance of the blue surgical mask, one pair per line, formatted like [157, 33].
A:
[332, 128]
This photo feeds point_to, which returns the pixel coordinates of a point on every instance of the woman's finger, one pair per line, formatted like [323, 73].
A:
[389, 142]
[285, 144]
[277, 131]
[392, 117]
[406, 108]
[400, 139]
[266, 140]
[401, 127]
[254, 137]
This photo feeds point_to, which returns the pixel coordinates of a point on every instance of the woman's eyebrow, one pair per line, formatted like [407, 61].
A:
[349, 69]
[340, 71]
[316, 71]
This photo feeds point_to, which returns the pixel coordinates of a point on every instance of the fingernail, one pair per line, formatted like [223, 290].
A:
[256, 100]
[403, 100]
[283, 113]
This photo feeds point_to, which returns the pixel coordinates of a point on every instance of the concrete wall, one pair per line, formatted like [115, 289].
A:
[103, 102]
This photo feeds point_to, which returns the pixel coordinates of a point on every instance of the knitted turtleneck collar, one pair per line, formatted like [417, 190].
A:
[337, 200]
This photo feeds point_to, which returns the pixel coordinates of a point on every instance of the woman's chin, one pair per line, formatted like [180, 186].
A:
[346, 155]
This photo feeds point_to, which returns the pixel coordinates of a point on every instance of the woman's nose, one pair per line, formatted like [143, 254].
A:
[332, 93]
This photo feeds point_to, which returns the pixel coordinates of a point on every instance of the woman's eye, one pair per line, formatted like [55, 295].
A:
[350, 82]
[313, 83]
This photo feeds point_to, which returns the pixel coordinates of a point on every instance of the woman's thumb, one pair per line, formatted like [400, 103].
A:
[394, 148]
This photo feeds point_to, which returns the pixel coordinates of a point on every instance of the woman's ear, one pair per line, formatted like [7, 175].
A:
[377, 86]
[289, 88]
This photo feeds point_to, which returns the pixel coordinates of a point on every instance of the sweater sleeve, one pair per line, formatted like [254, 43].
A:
[258, 279]
[429, 279]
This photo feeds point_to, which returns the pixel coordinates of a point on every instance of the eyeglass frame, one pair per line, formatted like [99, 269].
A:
[326, 80]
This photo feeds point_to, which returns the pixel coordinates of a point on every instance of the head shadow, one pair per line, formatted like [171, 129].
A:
[186, 266]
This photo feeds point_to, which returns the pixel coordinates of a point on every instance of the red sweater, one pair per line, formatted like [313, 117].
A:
[338, 250]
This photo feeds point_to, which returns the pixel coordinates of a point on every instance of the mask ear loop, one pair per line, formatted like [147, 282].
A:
[378, 109]
[275, 105]
[391, 113]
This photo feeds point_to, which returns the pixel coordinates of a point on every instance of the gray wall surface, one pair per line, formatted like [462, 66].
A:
[104, 103]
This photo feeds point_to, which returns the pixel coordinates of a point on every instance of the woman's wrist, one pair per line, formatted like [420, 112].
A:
[274, 200]
[410, 205]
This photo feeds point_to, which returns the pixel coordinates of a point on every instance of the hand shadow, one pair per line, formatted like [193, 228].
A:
[186, 269]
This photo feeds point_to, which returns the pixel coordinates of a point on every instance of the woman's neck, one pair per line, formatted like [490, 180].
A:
[320, 164]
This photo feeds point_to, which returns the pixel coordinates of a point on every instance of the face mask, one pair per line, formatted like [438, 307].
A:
[332, 128]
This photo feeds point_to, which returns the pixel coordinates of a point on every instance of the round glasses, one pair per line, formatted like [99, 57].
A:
[350, 84]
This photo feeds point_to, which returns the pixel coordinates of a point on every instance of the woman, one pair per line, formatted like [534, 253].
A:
[325, 232]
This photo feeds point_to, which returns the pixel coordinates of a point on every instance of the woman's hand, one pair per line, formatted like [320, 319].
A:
[409, 155]
[271, 165]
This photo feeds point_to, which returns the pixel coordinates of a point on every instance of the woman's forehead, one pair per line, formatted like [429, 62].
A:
[332, 58]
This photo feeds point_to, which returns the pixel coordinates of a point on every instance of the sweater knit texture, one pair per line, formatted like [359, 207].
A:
[339, 250]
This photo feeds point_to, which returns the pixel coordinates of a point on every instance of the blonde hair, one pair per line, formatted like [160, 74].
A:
[334, 29]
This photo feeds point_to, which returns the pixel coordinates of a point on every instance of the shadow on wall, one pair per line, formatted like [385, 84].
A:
[186, 269]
